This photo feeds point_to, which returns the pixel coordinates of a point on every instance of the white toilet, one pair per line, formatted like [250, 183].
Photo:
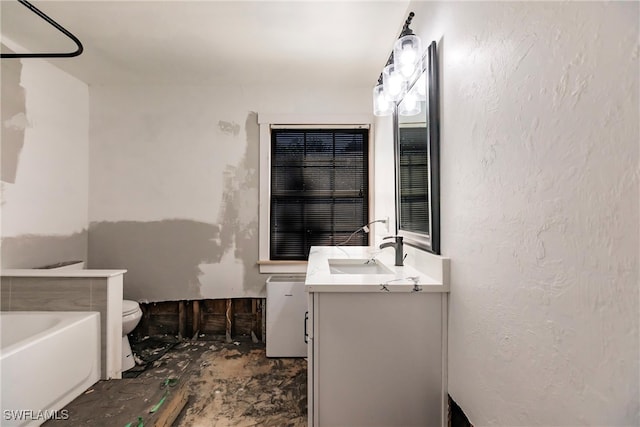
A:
[131, 315]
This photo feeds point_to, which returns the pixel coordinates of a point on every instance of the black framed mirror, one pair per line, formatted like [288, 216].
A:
[417, 158]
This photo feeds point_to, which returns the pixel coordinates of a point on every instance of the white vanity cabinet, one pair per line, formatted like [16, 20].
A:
[377, 357]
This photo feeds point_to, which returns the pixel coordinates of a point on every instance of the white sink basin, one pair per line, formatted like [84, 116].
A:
[348, 269]
[357, 266]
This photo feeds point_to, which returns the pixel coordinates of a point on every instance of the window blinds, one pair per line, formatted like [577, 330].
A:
[319, 189]
[414, 179]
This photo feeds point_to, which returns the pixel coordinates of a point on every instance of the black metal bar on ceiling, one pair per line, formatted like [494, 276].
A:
[59, 27]
[405, 32]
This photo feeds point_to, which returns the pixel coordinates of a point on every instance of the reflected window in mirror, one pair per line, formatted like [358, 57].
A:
[417, 160]
[414, 172]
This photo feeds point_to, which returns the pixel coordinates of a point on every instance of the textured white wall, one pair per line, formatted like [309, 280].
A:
[177, 167]
[540, 203]
[48, 201]
[384, 177]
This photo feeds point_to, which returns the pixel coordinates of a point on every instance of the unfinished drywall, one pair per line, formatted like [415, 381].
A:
[238, 219]
[540, 208]
[14, 118]
[176, 167]
[45, 132]
[175, 258]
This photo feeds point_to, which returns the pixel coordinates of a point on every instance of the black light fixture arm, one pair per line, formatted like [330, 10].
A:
[406, 31]
[59, 27]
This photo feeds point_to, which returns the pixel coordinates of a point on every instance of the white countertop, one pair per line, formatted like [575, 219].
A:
[44, 272]
[401, 279]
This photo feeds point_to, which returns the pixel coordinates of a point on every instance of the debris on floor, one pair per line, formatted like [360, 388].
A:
[147, 351]
[242, 387]
[199, 383]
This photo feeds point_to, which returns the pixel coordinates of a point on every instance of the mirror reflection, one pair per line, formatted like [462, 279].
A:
[417, 160]
[413, 160]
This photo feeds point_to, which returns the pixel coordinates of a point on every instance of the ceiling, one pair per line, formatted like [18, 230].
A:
[325, 43]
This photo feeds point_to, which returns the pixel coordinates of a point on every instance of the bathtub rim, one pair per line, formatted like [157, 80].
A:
[68, 319]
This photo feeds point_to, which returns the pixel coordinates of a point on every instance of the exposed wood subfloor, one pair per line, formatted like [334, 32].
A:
[229, 384]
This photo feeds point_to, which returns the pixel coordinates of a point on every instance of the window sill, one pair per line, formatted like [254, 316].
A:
[285, 267]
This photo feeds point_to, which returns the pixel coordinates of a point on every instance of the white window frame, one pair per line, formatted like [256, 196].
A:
[286, 121]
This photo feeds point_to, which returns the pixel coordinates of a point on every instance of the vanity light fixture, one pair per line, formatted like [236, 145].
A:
[407, 52]
[393, 82]
[404, 62]
[382, 106]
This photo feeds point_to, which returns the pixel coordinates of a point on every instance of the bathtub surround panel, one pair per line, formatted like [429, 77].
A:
[35, 251]
[23, 290]
[52, 293]
[540, 208]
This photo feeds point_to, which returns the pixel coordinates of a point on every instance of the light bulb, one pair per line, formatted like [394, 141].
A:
[406, 53]
[382, 106]
[394, 84]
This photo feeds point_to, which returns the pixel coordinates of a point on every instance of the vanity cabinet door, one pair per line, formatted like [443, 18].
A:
[376, 359]
[311, 374]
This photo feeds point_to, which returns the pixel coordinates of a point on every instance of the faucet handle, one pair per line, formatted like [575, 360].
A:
[398, 238]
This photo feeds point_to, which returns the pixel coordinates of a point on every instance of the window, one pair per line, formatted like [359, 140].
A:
[414, 182]
[319, 189]
[284, 262]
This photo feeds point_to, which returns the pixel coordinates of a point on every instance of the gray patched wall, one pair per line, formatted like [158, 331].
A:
[180, 258]
[34, 251]
[175, 182]
[161, 257]
[14, 118]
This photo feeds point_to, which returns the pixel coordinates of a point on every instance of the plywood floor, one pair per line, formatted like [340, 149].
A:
[229, 384]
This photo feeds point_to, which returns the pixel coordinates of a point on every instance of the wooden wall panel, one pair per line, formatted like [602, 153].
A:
[238, 317]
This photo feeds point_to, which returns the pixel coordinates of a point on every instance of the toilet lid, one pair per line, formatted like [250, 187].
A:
[129, 307]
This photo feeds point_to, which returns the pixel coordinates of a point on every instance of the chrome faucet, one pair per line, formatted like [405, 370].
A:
[398, 246]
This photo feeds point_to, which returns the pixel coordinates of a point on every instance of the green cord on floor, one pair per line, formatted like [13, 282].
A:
[159, 404]
[140, 423]
[166, 384]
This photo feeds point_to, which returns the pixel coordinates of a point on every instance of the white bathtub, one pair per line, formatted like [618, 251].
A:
[47, 359]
